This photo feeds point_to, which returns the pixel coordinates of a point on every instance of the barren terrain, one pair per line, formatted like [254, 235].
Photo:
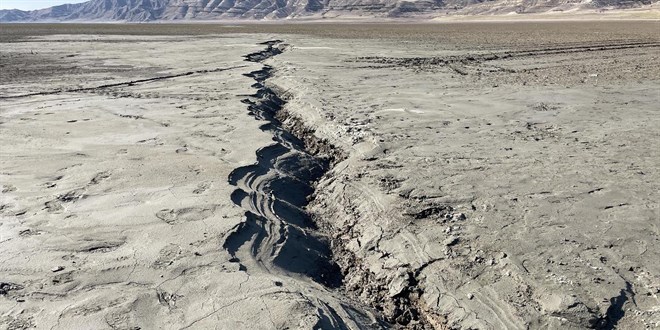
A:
[456, 175]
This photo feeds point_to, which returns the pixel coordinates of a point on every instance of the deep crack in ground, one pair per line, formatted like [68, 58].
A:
[278, 233]
[274, 192]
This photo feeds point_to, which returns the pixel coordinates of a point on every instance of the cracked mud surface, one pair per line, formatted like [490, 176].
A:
[117, 214]
[506, 187]
[462, 181]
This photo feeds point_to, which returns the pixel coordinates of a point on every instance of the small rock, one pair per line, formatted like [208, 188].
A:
[399, 283]
[470, 296]
[6, 287]
[451, 241]
[57, 269]
[458, 216]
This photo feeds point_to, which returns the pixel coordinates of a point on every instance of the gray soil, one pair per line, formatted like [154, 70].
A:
[464, 175]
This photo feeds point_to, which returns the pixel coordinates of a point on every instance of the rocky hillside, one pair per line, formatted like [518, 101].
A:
[150, 10]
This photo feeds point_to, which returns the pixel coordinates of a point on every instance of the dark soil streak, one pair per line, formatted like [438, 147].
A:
[120, 84]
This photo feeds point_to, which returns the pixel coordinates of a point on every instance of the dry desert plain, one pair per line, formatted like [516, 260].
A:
[482, 175]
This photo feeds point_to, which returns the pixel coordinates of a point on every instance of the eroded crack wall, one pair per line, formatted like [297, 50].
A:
[278, 234]
[279, 231]
[274, 192]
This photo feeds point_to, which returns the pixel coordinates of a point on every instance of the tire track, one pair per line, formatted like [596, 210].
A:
[478, 59]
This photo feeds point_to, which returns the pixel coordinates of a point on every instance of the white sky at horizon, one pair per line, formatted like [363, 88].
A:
[33, 4]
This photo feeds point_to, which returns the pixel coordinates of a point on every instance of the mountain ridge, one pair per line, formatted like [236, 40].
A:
[171, 10]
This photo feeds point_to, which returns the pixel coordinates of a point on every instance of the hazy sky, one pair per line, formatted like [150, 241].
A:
[33, 4]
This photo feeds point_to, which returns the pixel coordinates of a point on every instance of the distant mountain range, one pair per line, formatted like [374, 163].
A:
[167, 10]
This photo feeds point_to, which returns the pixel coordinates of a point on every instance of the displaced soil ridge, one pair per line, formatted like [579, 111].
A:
[275, 190]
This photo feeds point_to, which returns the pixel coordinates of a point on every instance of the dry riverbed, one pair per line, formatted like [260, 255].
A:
[482, 175]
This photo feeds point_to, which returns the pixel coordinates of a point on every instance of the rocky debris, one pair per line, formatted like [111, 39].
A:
[72, 196]
[57, 269]
[440, 212]
[316, 146]
[542, 106]
[6, 287]
[99, 177]
[167, 299]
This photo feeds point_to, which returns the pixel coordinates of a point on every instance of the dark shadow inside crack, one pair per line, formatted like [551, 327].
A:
[275, 191]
